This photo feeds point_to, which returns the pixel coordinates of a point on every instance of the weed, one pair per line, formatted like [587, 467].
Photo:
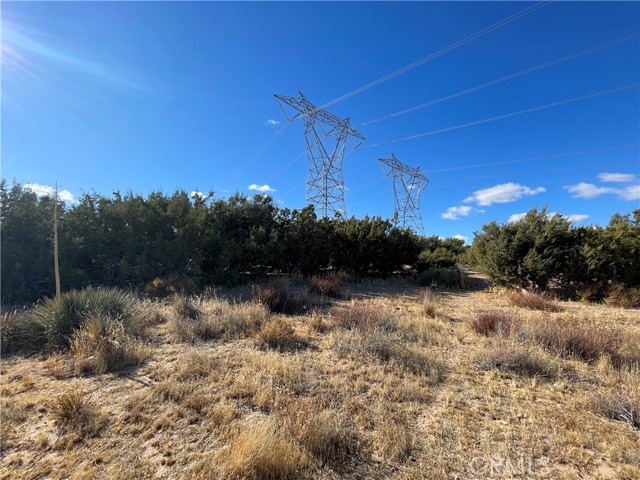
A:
[493, 323]
[532, 300]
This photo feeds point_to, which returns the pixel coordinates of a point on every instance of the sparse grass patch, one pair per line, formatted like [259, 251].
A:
[364, 317]
[518, 359]
[101, 345]
[328, 285]
[493, 323]
[279, 334]
[261, 451]
[325, 434]
[532, 301]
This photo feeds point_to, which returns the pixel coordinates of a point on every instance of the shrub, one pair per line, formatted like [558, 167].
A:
[278, 298]
[621, 296]
[620, 405]
[62, 315]
[442, 278]
[73, 411]
[20, 332]
[569, 337]
[279, 334]
[101, 345]
[260, 451]
[363, 317]
[532, 301]
[493, 323]
[171, 285]
[520, 360]
[328, 285]
[325, 434]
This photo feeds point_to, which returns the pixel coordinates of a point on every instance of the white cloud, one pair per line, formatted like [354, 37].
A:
[503, 193]
[516, 217]
[630, 193]
[46, 190]
[616, 177]
[576, 217]
[272, 122]
[588, 190]
[196, 193]
[261, 188]
[454, 213]
[461, 237]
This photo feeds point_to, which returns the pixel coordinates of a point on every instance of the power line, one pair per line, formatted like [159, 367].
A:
[440, 52]
[507, 115]
[504, 79]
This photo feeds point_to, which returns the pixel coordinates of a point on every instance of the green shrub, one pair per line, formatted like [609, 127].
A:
[20, 332]
[442, 278]
[60, 316]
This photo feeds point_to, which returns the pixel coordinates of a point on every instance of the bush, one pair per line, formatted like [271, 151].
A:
[569, 337]
[171, 285]
[328, 285]
[442, 278]
[101, 345]
[279, 334]
[278, 298]
[532, 301]
[62, 315]
[493, 323]
[621, 296]
[20, 332]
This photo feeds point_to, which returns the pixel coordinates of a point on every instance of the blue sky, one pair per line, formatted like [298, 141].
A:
[147, 96]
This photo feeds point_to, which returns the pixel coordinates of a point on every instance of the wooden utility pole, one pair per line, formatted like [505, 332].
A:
[55, 241]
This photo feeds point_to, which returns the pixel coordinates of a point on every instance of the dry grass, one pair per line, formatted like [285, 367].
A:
[279, 334]
[493, 323]
[385, 392]
[532, 301]
[278, 298]
[101, 345]
[429, 301]
[260, 451]
[625, 297]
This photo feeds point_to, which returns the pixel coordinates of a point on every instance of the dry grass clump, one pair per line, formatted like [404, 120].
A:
[493, 323]
[324, 434]
[364, 317]
[396, 441]
[279, 334]
[621, 296]
[569, 337]
[520, 360]
[261, 451]
[195, 320]
[328, 285]
[19, 332]
[74, 412]
[429, 301]
[102, 345]
[532, 301]
[427, 331]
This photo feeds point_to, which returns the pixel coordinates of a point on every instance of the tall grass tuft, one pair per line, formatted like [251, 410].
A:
[62, 315]
[102, 345]
[20, 332]
[493, 323]
[621, 296]
[532, 301]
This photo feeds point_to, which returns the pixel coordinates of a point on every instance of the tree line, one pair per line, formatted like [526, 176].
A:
[128, 240]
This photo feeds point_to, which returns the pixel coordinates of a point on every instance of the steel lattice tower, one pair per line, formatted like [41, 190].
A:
[408, 182]
[326, 140]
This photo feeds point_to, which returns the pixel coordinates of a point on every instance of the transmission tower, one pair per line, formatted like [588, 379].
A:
[326, 138]
[408, 182]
